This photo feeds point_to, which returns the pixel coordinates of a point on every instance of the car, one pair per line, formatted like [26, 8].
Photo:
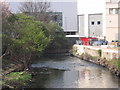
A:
[115, 42]
[78, 42]
[88, 41]
[100, 42]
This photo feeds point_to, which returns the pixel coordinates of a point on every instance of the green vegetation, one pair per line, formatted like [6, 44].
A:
[19, 76]
[16, 79]
[115, 62]
[28, 36]
[73, 52]
[24, 37]
[59, 41]
[100, 52]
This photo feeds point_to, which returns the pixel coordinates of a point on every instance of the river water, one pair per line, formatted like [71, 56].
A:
[64, 71]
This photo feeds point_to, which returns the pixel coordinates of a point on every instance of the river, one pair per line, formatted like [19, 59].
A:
[64, 71]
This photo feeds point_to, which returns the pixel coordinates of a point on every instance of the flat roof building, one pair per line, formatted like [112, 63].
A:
[87, 18]
[112, 20]
[69, 15]
[99, 19]
[90, 18]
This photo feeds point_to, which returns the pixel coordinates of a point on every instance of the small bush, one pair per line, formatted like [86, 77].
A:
[115, 62]
[19, 76]
[100, 52]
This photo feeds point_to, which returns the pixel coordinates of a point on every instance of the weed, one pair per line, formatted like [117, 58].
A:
[100, 52]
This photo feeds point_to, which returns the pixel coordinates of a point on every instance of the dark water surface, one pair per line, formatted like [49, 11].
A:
[63, 71]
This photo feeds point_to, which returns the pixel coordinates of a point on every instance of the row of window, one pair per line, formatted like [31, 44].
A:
[69, 33]
[114, 11]
[98, 23]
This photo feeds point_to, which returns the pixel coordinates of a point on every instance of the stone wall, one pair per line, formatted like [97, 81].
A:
[94, 51]
[90, 53]
[110, 54]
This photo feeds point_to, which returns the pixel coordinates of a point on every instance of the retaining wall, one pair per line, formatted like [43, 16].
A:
[91, 54]
[94, 51]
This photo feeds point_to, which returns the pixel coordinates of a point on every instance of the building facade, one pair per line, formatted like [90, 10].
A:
[69, 15]
[102, 22]
[87, 18]
[112, 20]
[95, 25]
[81, 25]
[56, 17]
[91, 18]
[65, 13]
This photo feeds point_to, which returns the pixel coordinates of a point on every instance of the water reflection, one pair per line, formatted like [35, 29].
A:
[70, 72]
[97, 79]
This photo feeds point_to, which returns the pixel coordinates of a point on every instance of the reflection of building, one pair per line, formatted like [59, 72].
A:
[112, 20]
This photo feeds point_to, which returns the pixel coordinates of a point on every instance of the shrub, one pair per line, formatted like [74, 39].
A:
[100, 52]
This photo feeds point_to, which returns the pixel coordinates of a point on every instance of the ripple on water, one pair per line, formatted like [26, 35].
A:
[71, 72]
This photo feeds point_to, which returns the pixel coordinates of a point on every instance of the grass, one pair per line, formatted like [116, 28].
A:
[19, 76]
[100, 52]
[16, 79]
[73, 52]
[115, 62]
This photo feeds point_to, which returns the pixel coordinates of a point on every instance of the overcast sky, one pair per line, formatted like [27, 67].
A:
[91, 6]
[96, 6]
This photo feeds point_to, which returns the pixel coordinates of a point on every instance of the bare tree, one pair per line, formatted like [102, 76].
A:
[5, 9]
[37, 9]
[5, 12]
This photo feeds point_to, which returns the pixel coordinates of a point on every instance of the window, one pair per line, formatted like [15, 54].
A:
[98, 22]
[70, 33]
[92, 23]
[110, 11]
[114, 11]
[119, 11]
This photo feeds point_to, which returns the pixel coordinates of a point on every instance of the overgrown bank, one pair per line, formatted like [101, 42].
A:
[24, 38]
[112, 65]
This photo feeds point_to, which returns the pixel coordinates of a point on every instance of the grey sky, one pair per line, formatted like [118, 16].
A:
[15, 5]
[68, 9]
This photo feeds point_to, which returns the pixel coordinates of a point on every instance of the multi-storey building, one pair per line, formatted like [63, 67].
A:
[68, 16]
[112, 20]
[101, 22]
[65, 13]
[56, 17]
[91, 18]
[88, 18]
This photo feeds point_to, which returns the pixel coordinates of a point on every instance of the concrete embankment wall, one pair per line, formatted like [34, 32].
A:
[92, 54]
[95, 51]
